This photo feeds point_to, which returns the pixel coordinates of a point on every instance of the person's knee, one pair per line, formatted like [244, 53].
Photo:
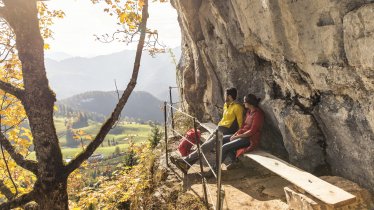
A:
[225, 148]
[226, 139]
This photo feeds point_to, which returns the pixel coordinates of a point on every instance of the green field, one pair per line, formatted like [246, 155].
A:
[106, 151]
[72, 152]
[122, 134]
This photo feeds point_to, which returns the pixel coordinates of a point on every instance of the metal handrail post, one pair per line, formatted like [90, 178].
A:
[220, 193]
[197, 140]
[166, 135]
[171, 109]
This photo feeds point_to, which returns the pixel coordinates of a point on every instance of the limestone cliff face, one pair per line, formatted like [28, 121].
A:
[312, 63]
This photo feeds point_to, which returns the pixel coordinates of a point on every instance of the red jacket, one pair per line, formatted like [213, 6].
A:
[188, 141]
[253, 123]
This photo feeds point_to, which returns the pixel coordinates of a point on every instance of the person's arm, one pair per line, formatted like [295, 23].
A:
[256, 125]
[239, 115]
[222, 121]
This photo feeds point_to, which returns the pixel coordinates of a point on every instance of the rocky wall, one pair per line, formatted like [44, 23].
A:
[312, 63]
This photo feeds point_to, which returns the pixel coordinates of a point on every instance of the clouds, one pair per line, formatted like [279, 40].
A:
[74, 34]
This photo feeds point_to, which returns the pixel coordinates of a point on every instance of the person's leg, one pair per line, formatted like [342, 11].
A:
[226, 139]
[229, 131]
[234, 127]
[232, 146]
[224, 130]
[194, 156]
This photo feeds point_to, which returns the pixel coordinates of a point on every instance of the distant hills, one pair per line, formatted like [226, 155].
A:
[57, 56]
[71, 76]
[141, 105]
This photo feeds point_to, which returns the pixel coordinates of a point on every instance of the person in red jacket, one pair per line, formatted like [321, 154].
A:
[247, 138]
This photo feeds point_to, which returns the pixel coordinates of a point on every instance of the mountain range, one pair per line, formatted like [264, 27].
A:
[69, 76]
[141, 106]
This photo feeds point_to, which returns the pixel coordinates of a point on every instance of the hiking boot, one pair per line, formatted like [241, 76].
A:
[233, 165]
[180, 164]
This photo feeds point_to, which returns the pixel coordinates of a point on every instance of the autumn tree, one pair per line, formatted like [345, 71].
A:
[15, 180]
[23, 21]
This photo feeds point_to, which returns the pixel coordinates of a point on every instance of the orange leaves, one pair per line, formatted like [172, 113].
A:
[80, 134]
[140, 3]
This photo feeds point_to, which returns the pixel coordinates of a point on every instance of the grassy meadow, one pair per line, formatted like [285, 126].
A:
[122, 133]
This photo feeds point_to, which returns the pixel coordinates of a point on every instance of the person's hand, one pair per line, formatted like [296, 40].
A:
[233, 137]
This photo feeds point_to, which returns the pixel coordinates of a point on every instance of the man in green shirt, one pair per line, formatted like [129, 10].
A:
[232, 120]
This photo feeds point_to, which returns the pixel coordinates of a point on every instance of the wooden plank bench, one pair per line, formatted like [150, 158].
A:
[320, 189]
[210, 127]
[316, 187]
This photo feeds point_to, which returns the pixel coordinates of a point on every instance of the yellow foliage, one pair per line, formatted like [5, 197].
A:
[46, 46]
[46, 19]
[122, 17]
[127, 11]
[80, 134]
[127, 184]
[12, 114]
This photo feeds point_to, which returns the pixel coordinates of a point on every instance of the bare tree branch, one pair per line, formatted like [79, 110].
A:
[11, 127]
[19, 93]
[7, 54]
[19, 201]
[18, 158]
[5, 190]
[74, 164]
[7, 168]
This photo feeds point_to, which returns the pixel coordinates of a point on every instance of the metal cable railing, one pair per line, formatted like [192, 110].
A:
[180, 135]
[169, 122]
[195, 171]
[182, 112]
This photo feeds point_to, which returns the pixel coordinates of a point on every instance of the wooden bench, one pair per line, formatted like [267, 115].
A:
[320, 189]
[210, 127]
[316, 187]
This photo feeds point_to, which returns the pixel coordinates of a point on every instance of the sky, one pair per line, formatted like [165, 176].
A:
[74, 34]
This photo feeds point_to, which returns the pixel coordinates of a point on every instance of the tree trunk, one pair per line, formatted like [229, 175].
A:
[53, 196]
[38, 102]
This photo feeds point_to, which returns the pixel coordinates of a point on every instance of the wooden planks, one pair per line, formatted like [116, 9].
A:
[211, 127]
[318, 188]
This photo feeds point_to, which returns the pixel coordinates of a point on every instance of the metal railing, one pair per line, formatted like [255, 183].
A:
[169, 110]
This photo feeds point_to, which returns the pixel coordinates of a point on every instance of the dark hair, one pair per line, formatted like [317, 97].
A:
[252, 99]
[232, 92]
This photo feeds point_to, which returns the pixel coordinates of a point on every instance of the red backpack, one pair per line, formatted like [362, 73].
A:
[188, 141]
